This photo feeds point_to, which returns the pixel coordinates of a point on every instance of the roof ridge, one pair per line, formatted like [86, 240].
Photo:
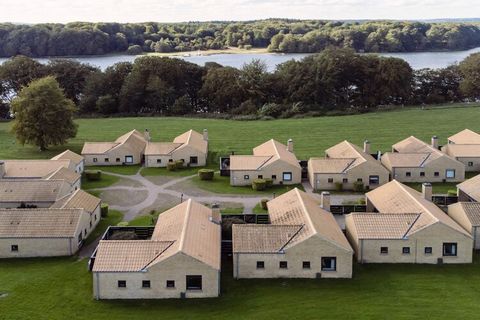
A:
[291, 238]
[184, 227]
[305, 211]
[159, 254]
[403, 187]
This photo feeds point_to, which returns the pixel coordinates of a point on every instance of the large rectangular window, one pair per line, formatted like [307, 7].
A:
[450, 173]
[287, 176]
[194, 282]
[373, 180]
[128, 159]
[449, 249]
[329, 263]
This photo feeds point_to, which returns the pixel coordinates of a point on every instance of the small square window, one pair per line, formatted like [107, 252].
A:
[122, 284]
[384, 250]
[159, 160]
[345, 180]
[330, 180]
[470, 164]
[406, 250]
[450, 174]
[107, 160]
[117, 160]
[246, 177]
[260, 265]
[436, 173]
[274, 176]
[408, 174]
[95, 159]
[283, 264]
[428, 250]
[373, 180]
[170, 160]
[306, 264]
[193, 160]
[359, 180]
[260, 176]
[422, 174]
[170, 284]
[14, 248]
[146, 284]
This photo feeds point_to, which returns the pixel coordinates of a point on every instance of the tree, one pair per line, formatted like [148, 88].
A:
[470, 70]
[43, 115]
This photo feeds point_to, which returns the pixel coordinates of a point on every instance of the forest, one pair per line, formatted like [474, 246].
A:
[335, 81]
[286, 36]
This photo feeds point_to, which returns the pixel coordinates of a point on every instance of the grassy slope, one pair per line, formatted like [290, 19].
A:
[311, 136]
[61, 288]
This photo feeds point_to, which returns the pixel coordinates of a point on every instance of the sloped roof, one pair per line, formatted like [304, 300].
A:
[186, 228]
[262, 238]
[127, 255]
[413, 145]
[472, 212]
[134, 139]
[161, 148]
[193, 139]
[69, 155]
[39, 223]
[465, 136]
[462, 150]
[471, 187]
[32, 190]
[68, 175]
[33, 168]
[79, 199]
[382, 225]
[298, 209]
[395, 197]
[405, 160]
[329, 165]
[264, 155]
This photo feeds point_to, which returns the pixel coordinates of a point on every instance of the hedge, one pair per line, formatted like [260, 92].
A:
[171, 166]
[269, 182]
[206, 174]
[358, 186]
[93, 175]
[259, 184]
[104, 210]
[179, 164]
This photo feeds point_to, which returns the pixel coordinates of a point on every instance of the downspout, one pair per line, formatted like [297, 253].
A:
[361, 251]
[70, 245]
[474, 237]
[416, 250]
[97, 285]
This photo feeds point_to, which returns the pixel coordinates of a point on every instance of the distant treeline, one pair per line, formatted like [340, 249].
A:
[335, 81]
[312, 36]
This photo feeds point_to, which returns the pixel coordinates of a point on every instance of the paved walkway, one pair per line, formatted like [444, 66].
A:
[155, 191]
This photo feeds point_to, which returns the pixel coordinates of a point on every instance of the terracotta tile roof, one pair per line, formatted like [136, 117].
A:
[133, 139]
[79, 199]
[462, 150]
[294, 209]
[68, 175]
[471, 187]
[395, 197]
[127, 255]
[32, 190]
[264, 155]
[161, 148]
[258, 238]
[34, 168]
[39, 223]
[382, 225]
[472, 211]
[466, 136]
[193, 139]
[329, 165]
[69, 155]
[405, 160]
[186, 228]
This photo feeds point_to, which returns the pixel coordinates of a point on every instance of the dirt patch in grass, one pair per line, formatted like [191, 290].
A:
[163, 202]
[124, 198]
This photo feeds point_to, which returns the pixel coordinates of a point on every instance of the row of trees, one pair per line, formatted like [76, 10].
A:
[85, 38]
[336, 80]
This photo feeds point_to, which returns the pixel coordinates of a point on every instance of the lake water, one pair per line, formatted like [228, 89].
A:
[417, 60]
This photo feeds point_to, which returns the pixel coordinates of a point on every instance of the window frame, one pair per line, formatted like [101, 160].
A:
[14, 248]
[283, 264]
[246, 177]
[405, 250]
[330, 180]
[408, 174]
[260, 265]
[450, 170]
[129, 157]
[454, 245]
[422, 173]
[95, 160]
[146, 284]
[121, 284]
[193, 160]
[345, 180]
[170, 284]
[470, 164]
[306, 265]
[436, 174]
[428, 249]
[329, 269]
[383, 250]
[189, 278]
[287, 174]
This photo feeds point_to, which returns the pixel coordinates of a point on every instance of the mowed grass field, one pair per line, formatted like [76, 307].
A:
[311, 135]
[61, 288]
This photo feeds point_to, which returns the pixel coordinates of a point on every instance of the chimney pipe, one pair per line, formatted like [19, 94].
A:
[2, 169]
[325, 200]
[290, 145]
[216, 214]
[205, 134]
[435, 142]
[366, 147]
[427, 191]
[146, 134]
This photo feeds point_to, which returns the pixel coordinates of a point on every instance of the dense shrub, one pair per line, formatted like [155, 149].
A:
[206, 174]
[259, 184]
[263, 202]
[358, 186]
[179, 164]
[104, 210]
[338, 186]
[171, 166]
[268, 182]
[93, 175]
[134, 50]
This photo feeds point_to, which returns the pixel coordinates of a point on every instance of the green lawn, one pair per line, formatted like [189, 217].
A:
[185, 172]
[222, 185]
[311, 135]
[61, 288]
[112, 219]
[105, 181]
[125, 170]
[259, 210]
[232, 210]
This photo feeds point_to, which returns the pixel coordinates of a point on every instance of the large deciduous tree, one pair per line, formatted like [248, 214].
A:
[43, 115]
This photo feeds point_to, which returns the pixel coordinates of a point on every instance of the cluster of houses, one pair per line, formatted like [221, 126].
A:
[44, 213]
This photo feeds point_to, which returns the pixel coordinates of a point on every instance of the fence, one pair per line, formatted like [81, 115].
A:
[348, 208]
[249, 218]
[443, 200]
